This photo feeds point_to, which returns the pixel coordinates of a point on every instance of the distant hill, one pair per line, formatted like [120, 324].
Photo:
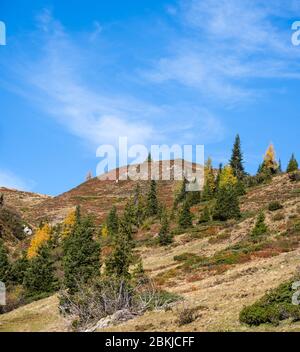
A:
[97, 196]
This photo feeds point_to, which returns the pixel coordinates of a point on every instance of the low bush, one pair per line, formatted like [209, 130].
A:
[104, 297]
[274, 307]
[186, 316]
[273, 206]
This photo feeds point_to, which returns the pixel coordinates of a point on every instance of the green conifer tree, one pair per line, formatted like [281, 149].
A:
[139, 205]
[118, 262]
[185, 219]
[220, 170]
[112, 222]
[205, 216]
[227, 204]
[260, 229]
[39, 277]
[279, 166]
[81, 259]
[293, 164]
[18, 270]
[4, 263]
[181, 196]
[152, 202]
[236, 161]
[210, 182]
[164, 235]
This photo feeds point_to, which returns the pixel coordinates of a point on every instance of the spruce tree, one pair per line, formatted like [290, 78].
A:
[1, 200]
[180, 197]
[39, 277]
[4, 263]
[118, 262]
[152, 202]
[293, 164]
[260, 229]
[227, 204]
[164, 235]
[236, 161]
[185, 219]
[18, 270]
[209, 182]
[112, 222]
[217, 182]
[130, 213]
[139, 205]
[81, 259]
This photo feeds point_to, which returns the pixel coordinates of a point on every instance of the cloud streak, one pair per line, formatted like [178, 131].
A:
[228, 43]
[55, 81]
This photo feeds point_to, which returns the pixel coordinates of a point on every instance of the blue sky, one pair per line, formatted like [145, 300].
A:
[78, 74]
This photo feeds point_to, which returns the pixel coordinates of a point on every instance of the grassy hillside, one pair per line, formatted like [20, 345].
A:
[214, 266]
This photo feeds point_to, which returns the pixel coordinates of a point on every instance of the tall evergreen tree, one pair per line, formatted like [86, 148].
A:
[217, 182]
[236, 161]
[164, 235]
[117, 264]
[18, 270]
[4, 263]
[293, 164]
[112, 222]
[181, 196]
[152, 202]
[227, 204]
[130, 213]
[1, 200]
[139, 205]
[185, 219]
[81, 259]
[39, 277]
[279, 166]
[209, 181]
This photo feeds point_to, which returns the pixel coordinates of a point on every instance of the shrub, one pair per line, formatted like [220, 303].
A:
[274, 307]
[294, 176]
[104, 297]
[205, 216]
[273, 206]
[260, 228]
[186, 316]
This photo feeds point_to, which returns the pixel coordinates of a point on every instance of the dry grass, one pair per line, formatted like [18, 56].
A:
[40, 316]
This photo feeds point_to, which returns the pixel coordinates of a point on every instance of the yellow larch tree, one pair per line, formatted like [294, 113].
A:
[69, 223]
[41, 236]
[270, 162]
[227, 177]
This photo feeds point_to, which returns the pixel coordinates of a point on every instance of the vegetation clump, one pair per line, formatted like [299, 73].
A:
[273, 206]
[274, 307]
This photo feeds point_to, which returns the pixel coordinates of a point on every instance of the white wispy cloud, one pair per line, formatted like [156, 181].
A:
[55, 81]
[226, 43]
[9, 180]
